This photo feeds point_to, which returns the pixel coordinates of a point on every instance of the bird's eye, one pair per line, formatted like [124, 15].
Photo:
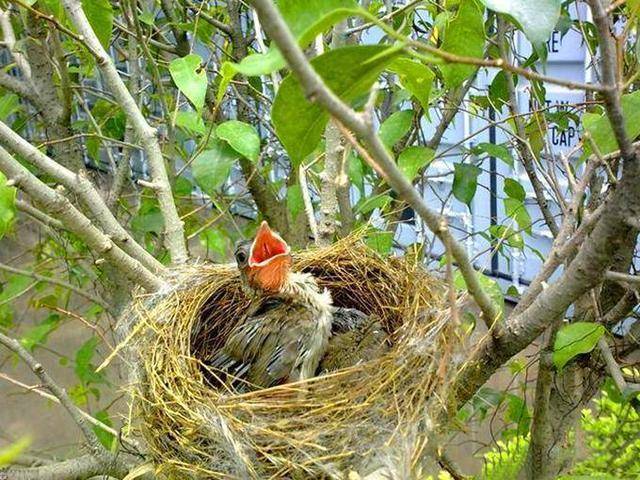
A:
[241, 257]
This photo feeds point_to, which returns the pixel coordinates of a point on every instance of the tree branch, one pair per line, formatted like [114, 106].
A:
[60, 207]
[379, 157]
[79, 184]
[174, 227]
[10, 43]
[83, 467]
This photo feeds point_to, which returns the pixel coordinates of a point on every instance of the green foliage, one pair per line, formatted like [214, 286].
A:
[242, 137]
[464, 36]
[599, 127]
[575, 339]
[216, 241]
[413, 159]
[394, 128]
[190, 122]
[190, 77]
[489, 285]
[14, 286]
[415, 77]
[515, 204]
[505, 460]
[306, 20]
[7, 205]
[537, 19]
[295, 202]
[211, 167]
[84, 368]
[380, 241]
[39, 334]
[500, 152]
[9, 104]
[465, 182]
[10, 453]
[349, 72]
[100, 16]
[613, 439]
[106, 438]
[508, 235]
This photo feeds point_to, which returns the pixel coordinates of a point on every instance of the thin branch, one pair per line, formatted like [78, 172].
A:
[38, 215]
[19, 87]
[37, 390]
[526, 154]
[94, 444]
[59, 206]
[79, 184]
[10, 43]
[54, 281]
[308, 205]
[609, 72]
[174, 227]
[82, 467]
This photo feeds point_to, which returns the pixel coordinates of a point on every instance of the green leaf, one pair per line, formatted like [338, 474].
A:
[513, 189]
[84, 369]
[38, 335]
[190, 78]
[190, 122]
[242, 137]
[507, 235]
[516, 209]
[211, 167]
[380, 241]
[413, 159]
[148, 220]
[537, 18]
[214, 240]
[464, 36]
[488, 285]
[575, 339]
[9, 453]
[349, 72]
[415, 77]
[100, 16]
[9, 104]
[600, 128]
[106, 438]
[356, 171]
[465, 182]
[305, 17]
[295, 202]
[395, 127]
[500, 152]
[366, 205]
[7, 205]
[306, 20]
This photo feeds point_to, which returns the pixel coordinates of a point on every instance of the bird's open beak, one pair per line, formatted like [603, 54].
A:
[267, 246]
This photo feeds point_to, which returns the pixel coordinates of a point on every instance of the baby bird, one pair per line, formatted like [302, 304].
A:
[285, 331]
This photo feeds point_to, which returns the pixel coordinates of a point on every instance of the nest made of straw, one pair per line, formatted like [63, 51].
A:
[356, 419]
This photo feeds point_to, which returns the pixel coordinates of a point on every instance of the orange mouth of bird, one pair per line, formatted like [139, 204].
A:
[267, 246]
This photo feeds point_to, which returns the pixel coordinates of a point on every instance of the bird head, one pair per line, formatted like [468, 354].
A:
[265, 262]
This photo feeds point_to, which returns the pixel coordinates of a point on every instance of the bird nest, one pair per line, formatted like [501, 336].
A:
[361, 418]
